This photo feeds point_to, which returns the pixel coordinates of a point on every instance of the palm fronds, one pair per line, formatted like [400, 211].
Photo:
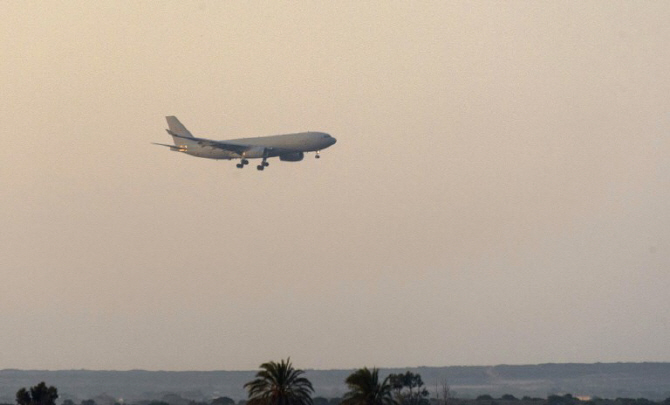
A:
[279, 384]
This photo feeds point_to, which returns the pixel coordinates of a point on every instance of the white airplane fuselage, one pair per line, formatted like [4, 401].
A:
[268, 145]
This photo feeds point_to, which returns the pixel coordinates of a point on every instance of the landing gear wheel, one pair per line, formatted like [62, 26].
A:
[245, 162]
[264, 162]
[240, 165]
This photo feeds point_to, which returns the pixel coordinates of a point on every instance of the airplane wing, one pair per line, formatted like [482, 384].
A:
[239, 149]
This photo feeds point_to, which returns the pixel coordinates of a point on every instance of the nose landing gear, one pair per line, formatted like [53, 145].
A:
[317, 155]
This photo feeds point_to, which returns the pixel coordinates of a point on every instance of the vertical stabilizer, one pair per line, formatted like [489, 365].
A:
[177, 128]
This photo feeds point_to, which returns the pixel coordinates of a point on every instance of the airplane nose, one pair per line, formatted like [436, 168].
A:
[332, 140]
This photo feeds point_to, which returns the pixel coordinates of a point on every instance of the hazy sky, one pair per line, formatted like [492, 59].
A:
[499, 192]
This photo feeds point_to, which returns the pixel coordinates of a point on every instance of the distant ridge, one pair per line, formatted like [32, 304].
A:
[606, 380]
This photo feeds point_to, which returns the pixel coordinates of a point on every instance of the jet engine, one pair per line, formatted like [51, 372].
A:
[292, 157]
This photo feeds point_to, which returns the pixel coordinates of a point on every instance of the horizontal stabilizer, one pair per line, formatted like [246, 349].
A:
[172, 147]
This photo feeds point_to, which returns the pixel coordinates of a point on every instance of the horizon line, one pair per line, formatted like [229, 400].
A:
[329, 369]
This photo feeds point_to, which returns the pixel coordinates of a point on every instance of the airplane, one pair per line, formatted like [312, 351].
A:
[288, 147]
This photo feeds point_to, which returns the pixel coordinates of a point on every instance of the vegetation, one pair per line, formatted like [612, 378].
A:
[443, 394]
[37, 395]
[566, 399]
[365, 389]
[223, 401]
[279, 384]
[408, 389]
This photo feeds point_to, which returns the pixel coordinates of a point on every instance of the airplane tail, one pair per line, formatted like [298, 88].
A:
[177, 130]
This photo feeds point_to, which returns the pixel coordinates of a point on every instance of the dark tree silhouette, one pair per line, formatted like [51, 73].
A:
[223, 401]
[279, 384]
[38, 395]
[408, 389]
[365, 389]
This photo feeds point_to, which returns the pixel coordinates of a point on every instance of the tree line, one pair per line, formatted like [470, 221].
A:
[279, 383]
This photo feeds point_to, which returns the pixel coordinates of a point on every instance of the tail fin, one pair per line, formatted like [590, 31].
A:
[177, 128]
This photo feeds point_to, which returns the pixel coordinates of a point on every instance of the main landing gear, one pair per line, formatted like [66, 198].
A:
[263, 164]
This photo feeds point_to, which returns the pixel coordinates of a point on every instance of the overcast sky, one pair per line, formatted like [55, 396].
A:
[499, 192]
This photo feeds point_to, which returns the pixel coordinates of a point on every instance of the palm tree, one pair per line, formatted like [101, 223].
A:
[279, 384]
[365, 389]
